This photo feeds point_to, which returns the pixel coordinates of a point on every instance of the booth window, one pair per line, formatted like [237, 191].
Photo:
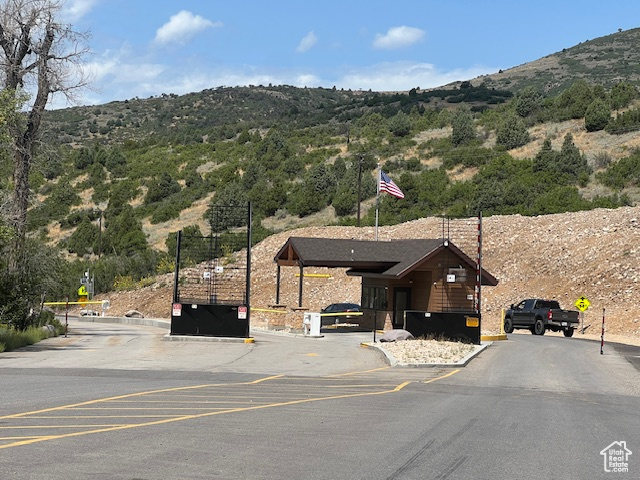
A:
[374, 297]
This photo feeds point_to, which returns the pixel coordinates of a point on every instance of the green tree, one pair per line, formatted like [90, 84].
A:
[597, 116]
[568, 166]
[116, 163]
[545, 159]
[21, 292]
[192, 246]
[253, 172]
[623, 173]
[273, 149]
[575, 100]
[463, 128]
[302, 202]
[512, 133]
[161, 188]
[622, 95]
[345, 200]
[123, 232]
[320, 180]
[527, 102]
[400, 124]
[372, 127]
[84, 239]
[340, 167]
[231, 195]
[267, 198]
[572, 162]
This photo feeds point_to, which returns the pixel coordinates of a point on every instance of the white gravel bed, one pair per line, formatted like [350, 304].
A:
[420, 351]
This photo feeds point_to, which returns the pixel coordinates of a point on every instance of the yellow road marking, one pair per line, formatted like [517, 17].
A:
[25, 427]
[170, 419]
[13, 438]
[400, 387]
[195, 416]
[169, 402]
[358, 372]
[158, 408]
[260, 380]
[57, 417]
[131, 395]
[442, 376]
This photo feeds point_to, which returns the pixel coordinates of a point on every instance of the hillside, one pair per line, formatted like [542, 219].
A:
[562, 256]
[116, 180]
[169, 157]
[604, 61]
[223, 111]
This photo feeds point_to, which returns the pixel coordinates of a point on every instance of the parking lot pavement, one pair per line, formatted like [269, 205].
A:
[630, 352]
[96, 345]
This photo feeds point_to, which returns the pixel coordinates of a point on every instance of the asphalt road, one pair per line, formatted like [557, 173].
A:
[116, 402]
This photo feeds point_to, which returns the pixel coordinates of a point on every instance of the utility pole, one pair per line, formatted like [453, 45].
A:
[360, 160]
[99, 234]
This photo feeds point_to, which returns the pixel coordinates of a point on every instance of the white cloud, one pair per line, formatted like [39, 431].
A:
[76, 9]
[121, 66]
[307, 42]
[398, 37]
[307, 80]
[121, 74]
[403, 76]
[182, 27]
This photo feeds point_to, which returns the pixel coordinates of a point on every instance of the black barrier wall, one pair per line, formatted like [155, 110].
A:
[210, 320]
[212, 278]
[452, 325]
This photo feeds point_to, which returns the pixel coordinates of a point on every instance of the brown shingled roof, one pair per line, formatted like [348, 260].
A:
[364, 257]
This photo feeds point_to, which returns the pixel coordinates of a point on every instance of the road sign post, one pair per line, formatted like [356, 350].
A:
[582, 304]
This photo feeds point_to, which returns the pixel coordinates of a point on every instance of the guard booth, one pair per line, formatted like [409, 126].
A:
[212, 277]
[427, 286]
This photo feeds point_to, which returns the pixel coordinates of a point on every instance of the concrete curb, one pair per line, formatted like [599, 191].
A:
[285, 333]
[149, 322]
[196, 338]
[392, 361]
[493, 338]
[161, 323]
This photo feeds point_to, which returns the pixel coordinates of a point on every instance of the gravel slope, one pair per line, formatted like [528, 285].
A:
[562, 256]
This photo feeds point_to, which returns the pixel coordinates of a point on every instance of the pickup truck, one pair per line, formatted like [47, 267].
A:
[540, 315]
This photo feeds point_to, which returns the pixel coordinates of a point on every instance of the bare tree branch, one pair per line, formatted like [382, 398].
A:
[39, 55]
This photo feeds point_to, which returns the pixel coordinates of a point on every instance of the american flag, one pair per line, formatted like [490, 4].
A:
[387, 185]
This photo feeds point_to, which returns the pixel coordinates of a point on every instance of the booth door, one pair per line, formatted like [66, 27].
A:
[401, 302]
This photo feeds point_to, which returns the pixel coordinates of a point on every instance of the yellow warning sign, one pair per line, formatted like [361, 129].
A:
[582, 303]
[473, 321]
[82, 291]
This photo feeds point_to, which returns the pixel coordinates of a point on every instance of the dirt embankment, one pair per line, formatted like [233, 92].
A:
[563, 256]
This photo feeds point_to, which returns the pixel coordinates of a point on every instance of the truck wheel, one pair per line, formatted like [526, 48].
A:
[508, 325]
[568, 332]
[538, 328]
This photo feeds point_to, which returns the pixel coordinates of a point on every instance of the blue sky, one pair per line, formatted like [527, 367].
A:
[143, 48]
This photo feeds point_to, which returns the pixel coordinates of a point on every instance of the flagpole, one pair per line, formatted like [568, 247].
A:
[378, 200]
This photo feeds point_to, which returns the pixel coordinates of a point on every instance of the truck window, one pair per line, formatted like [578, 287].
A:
[550, 304]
